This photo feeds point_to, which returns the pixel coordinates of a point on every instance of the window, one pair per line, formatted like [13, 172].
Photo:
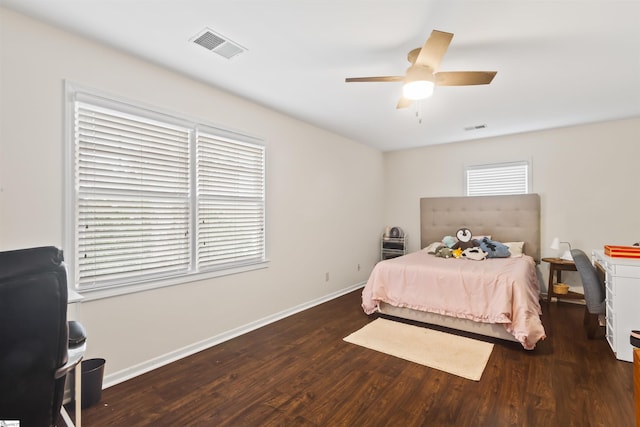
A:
[156, 198]
[497, 179]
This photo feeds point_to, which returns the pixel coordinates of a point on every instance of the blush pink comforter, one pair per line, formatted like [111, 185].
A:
[496, 290]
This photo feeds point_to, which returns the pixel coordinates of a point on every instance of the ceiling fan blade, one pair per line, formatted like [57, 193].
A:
[404, 103]
[374, 79]
[464, 78]
[434, 49]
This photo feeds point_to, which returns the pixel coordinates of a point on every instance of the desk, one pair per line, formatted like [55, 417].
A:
[556, 267]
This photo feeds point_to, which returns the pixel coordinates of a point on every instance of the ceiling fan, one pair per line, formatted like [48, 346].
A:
[424, 72]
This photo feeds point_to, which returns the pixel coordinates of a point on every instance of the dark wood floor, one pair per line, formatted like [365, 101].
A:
[299, 371]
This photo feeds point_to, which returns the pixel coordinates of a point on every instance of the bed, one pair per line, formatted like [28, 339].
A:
[496, 297]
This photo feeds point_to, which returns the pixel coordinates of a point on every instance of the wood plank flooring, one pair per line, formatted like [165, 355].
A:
[299, 372]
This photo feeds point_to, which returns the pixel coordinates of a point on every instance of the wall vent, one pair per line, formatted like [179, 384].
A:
[217, 43]
[476, 127]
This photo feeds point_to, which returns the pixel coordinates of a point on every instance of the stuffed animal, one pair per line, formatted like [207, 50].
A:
[465, 240]
[449, 241]
[475, 254]
[457, 253]
[443, 252]
[494, 249]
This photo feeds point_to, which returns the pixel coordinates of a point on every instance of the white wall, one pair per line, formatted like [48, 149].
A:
[587, 177]
[324, 198]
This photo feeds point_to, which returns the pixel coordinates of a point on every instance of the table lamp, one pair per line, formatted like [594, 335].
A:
[555, 245]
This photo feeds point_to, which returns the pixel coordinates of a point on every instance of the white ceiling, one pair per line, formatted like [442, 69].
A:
[559, 63]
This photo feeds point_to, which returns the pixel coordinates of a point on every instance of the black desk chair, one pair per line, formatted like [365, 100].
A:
[35, 355]
[594, 292]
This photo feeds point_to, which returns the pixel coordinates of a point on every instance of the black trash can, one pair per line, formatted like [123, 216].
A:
[92, 373]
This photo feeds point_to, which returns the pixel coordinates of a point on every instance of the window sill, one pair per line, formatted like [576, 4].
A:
[93, 294]
[73, 296]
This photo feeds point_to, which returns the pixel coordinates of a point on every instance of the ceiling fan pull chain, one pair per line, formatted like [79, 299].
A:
[419, 112]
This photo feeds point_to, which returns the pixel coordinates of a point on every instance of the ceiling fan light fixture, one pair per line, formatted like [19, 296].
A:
[418, 82]
[417, 89]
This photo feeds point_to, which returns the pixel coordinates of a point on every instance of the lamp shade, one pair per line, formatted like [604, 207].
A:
[555, 245]
[418, 82]
[418, 89]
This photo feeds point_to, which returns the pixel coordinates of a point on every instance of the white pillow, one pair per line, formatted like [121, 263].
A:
[515, 248]
[431, 249]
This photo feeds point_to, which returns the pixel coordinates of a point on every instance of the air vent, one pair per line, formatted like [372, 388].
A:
[476, 127]
[217, 43]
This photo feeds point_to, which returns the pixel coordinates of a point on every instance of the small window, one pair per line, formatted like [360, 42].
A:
[497, 179]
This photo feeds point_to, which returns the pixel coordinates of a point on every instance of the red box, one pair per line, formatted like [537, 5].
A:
[622, 251]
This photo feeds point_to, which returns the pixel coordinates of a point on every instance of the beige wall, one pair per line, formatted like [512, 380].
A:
[587, 177]
[324, 199]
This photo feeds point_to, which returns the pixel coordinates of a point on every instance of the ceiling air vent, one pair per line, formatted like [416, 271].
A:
[217, 43]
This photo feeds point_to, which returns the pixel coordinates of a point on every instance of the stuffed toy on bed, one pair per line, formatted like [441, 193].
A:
[449, 241]
[475, 254]
[494, 249]
[465, 240]
[443, 252]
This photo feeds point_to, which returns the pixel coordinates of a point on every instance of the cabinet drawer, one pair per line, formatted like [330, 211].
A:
[624, 271]
[393, 245]
[396, 252]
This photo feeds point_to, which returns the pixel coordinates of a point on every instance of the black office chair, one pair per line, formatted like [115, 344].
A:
[594, 292]
[35, 355]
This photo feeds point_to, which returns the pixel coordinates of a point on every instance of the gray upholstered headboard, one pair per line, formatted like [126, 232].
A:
[506, 218]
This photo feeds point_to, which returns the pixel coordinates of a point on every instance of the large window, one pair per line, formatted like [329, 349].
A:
[497, 179]
[155, 198]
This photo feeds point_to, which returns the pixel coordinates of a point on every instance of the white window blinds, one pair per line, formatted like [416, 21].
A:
[230, 201]
[157, 199]
[132, 197]
[497, 179]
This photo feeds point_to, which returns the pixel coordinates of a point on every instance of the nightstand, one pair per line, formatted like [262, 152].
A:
[556, 267]
[392, 247]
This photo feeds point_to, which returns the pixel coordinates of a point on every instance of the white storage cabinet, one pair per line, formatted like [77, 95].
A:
[622, 281]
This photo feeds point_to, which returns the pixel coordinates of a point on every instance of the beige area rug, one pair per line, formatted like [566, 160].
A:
[456, 355]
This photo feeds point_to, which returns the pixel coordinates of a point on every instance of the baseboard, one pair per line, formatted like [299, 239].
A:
[141, 368]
